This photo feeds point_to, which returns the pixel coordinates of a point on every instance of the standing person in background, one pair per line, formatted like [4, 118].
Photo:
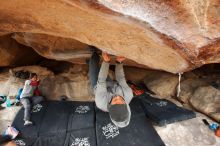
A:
[111, 96]
[28, 99]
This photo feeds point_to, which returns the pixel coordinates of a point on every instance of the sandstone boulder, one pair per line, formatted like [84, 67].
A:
[57, 48]
[73, 83]
[41, 71]
[62, 49]
[175, 36]
[136, 75]
[10, 84]
[191, 132]
[4, 76]
[161, 83]
[77, 88]
[206, 99]
[15, 54]
[188, 87]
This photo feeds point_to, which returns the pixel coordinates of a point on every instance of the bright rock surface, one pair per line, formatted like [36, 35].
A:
[175, 36]
[206, 99]
[58, 48]
[162, 84]
[74, 83]
[188, 87]
[191, 132]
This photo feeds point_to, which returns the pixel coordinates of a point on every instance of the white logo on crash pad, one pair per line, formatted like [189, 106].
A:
[20, 142]
[81, 142]
[82, 109]
[161, 103]
[37, 108]
[110, 131]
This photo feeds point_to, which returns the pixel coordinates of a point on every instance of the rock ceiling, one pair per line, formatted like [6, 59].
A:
[170, 35]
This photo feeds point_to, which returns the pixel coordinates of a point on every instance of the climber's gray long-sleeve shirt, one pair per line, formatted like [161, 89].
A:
[105, 90]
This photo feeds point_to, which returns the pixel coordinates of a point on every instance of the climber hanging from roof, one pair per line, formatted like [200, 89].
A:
[111, 96]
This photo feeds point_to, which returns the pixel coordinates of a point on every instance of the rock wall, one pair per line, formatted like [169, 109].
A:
[206, 99]
[57, 48]
[10, 84]
[15, 54]
[174, 36]
[72, 82]
[162, 83]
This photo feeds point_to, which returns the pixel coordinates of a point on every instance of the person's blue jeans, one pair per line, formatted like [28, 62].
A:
[94, 69]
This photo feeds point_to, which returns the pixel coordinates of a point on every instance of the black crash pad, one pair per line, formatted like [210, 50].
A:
[56, 123]
[139, 132]
[36, 116]
[162, 111]
[55, 140]
[83, 137]
[55, 120]
[71, 123]
[25, 141]
[136, 108]
[81, 116]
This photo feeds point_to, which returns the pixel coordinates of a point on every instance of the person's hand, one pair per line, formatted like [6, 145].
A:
[38, 80]
[106, 57]
[120, 59]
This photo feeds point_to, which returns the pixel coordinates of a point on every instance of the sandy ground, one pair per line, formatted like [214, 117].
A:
[191, 132]
[6, 117]
[186, 133]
